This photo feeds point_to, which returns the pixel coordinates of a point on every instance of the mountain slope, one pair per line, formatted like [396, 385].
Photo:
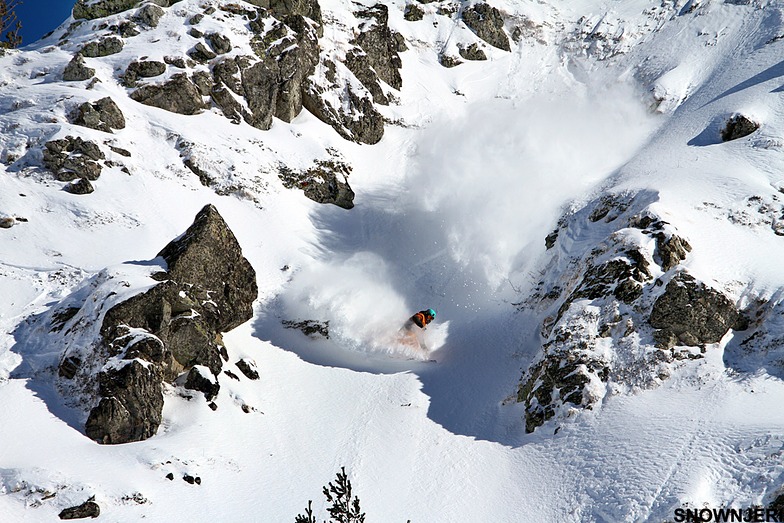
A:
[602, 123]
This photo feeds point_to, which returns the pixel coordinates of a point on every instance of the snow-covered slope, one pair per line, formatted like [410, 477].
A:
[601, 124]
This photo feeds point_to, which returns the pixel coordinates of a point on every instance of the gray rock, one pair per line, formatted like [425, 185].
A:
[738, 126]
[6, 222]
[103, 47]
[413, 13]
[488, 24]
[219, 43]
[381, 45]
[691, 313]
[142, 69]
[201, 53]
[208, 288]
[449, 61]
[208, 385]
[131, 404]
[282, 9]
[358, 63]
[77, 70]
[80, 186]
[361, 123]
[178, 95]
[176, 61]
[671, 250]
[248, 368]
[128, 29]
[86, 9]
[72, 158]
[203, 82]
[326, 182]
[149, 15]
[102, 115]
[472, 52]
[88, 509]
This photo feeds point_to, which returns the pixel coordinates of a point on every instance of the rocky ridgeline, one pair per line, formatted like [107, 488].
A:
[622, 313]
[291, 67]
[128, 330]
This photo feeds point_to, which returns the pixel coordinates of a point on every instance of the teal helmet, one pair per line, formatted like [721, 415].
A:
[431, 312]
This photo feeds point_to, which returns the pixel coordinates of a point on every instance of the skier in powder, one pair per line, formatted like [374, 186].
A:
[411, 333]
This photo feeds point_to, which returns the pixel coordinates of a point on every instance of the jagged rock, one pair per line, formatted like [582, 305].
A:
[80, 186]
[248, 368]
[413, 13]
[103, 115]
[691, 313]
[77, 70]
[103, 47]
[361, 123]
[321, 183]
[201, 379]
[131, 404]
[273, 84]
[449, 61]
[178, 95]
[219, 43]
[472, 52]
[381, 45]
[85, 9]
[128, 29]
[169, 329]
[203, 82]
[201, 53]
[488, 24]
[282, 9]
[149, 15]
[72, 158]
[176, 61]
[142, 69]
[88, 509]
[358, 63]
[738, 126]
[671, 250]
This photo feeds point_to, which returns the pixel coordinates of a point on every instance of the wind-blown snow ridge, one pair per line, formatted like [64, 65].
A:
[478, 164]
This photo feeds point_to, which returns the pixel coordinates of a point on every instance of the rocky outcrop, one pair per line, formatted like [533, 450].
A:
[160, 334]
[103, 47]
[88, 509]
[72, 157]
[282, 9]
[607, 323]
[472, 52]
[142, 69]
[77, 70]
[131, 403]
[87, 9]
[178, 95]
[381, 45]
[355, 119]
[488, 24]
[326, 182]
[738, 126]
[248, 368]
[102, 115]
[691, 313]
[149, 15]
[79, 186]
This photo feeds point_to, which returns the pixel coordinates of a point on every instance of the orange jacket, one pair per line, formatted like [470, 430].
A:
[421, 319]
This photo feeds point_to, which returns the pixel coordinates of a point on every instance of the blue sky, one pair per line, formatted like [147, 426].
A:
[41, 16]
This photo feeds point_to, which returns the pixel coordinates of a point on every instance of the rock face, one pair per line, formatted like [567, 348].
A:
[163, 333]
[738, 126]
[326, 182]
[88, 509]
[92, 10]
[690, 313]
[381, 45]
[608, 324]
[178, 95]
[488, 24]
[77, 70]
[103, 115]
[72, 157]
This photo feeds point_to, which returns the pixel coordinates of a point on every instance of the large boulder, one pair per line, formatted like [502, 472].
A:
[77, 70]
[693, 314]
[178, 95]
[102, 47]
[738, 126]
[488, 24]
[103, 115]
[160, 334]
[72, 157]
[87, 9]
